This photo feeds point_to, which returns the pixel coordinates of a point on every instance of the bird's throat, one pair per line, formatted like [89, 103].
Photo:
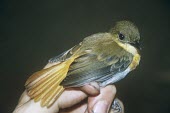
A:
[131, 49]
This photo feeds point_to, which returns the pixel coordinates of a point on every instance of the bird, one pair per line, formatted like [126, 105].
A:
[104, 58]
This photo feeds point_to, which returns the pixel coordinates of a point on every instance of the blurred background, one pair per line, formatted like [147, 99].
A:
[33, 31]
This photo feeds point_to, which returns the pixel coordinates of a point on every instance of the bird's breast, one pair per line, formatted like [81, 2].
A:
[131, 49]
[135, 61]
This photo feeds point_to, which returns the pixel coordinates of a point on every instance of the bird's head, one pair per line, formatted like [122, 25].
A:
[126, 32]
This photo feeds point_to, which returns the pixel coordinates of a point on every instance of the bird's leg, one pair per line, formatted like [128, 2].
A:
[117, 106]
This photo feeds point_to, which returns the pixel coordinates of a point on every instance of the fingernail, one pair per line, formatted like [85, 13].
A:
[101, 107]
[95, 85]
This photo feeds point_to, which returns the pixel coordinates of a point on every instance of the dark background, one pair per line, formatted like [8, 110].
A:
[34, 31]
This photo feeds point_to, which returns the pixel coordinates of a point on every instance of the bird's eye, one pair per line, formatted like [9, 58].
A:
[121, 36]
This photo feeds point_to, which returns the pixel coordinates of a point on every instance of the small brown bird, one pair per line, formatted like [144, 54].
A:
[103, 57]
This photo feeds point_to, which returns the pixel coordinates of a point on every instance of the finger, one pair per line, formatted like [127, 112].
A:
[70, 97]
[102, 102]
[92, 89]
[89, 89]
[79, 108]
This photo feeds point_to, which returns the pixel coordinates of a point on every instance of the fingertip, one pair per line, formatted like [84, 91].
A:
[95, 85]
[101, 106]
[91, 89]
[103, 101]
[110, 88]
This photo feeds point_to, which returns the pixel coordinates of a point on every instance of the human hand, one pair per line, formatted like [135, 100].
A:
[89, 98]
[98, 101]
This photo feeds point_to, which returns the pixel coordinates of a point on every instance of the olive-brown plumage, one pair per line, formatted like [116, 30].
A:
[103, 57]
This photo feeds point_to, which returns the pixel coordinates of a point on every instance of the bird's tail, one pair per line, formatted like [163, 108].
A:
[45, 86]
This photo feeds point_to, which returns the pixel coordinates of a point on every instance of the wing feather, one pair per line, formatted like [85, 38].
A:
[45, 85]
[94, 66]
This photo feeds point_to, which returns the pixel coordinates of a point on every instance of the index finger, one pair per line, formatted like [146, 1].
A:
[102, 102]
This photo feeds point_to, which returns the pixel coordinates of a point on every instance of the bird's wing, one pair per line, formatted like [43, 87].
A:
[97, 67]
[65, 55]
[44, 85]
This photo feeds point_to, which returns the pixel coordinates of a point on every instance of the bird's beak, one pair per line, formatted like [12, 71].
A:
[136, 44]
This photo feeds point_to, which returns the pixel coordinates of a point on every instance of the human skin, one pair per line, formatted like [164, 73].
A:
[87, 99]
[96, 102]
